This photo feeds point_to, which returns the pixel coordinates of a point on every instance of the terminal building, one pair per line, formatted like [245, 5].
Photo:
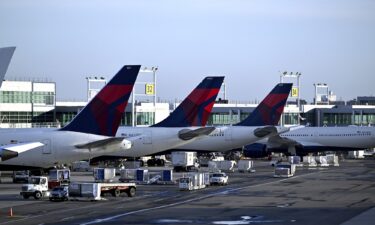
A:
[33, 103]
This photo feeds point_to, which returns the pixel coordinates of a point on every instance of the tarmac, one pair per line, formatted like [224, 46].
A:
[330, 195]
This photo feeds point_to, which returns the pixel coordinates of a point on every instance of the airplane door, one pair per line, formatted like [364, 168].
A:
[147, 138]
[46, 147]
[228, 134]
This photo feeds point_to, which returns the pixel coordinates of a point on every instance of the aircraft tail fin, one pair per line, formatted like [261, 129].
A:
[102, 115]
[269, 111]
[196, 108]
[5, 57]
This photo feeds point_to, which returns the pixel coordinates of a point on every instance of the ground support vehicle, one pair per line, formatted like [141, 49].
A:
[37, 187]
[218, 179]
[184, 161]
[59, 193]
[284, 170]
[95, 191]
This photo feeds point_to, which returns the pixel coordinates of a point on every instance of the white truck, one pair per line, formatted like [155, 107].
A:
[218, 178]
[184, 161]
[36, 187]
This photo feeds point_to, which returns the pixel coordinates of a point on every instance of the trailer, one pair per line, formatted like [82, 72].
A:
[95, 191]
[184, 161]
[284, 170]
[245, 165]
[192, 181]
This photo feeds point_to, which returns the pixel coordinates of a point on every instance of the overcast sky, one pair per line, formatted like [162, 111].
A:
[248, 41]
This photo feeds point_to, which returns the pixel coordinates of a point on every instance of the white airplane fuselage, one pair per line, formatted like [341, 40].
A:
[225, 138]
[161, 139]
[351, 137]
[59, 146]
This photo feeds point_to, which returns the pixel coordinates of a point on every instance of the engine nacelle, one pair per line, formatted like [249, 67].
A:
[126, 144]
[256, 150]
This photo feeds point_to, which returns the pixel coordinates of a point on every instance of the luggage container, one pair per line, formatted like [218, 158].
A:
[104, 174]
[167, 176]
[192, 181]
[332, 160]
[284, 170]
[245, 166]
[321, 160]
[81, 166]
[58, 177]
[225, 165]
[142, 176]
[294, 160]
[309, 161]
[127, 175]
[184, 161]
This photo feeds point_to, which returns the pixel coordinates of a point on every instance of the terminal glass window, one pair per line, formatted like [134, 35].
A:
[145, 118]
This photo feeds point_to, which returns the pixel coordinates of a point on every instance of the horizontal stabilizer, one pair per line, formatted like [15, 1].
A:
[187, 134]
[122, 142]
[13, 150]
[269, 131]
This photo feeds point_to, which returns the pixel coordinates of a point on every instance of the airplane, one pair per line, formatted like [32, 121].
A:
[306, 140]
[219, 138]
[260, 124]
[90, 133]
[5, 57]
[183, 125]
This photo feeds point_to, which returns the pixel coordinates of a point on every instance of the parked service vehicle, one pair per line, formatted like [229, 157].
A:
[58, 177]
[21, 176]
[184, 161]
[59, 193]
[219, 179]
[37, 187]
[192, 181]
[95, 191]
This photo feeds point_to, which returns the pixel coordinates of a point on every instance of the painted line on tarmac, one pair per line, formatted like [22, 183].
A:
[74, 209]
[107, 219]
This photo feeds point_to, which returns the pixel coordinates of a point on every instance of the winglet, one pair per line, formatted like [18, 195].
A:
[269, 111]
[5, 57]
[102, 115]
[196, 108]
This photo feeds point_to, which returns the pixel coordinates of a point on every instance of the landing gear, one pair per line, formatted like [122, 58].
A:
[155, 162]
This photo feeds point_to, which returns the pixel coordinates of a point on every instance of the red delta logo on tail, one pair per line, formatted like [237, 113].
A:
[269, 111]
[196, 108]
[102, 115]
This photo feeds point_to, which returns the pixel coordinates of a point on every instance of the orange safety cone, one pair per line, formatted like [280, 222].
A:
[10, 212]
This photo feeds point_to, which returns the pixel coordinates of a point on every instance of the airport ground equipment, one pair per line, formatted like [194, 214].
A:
[224, 165]
[284, 170]
[58, 177]
[184, 161]
[192, 181]
[309, 161]
[218, 179]
[37, 187]
[59, 193]
[333, 160]
[245, 165]
[104, 174]
[95, 191]
[142, 176]
[321, 160]
[21, 176]
[356, 154]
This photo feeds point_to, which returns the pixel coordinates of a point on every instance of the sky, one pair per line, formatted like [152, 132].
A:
[248, 41]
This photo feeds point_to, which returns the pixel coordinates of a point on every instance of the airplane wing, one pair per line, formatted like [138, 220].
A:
[123, 143]
[13, 150]
[188, 134]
